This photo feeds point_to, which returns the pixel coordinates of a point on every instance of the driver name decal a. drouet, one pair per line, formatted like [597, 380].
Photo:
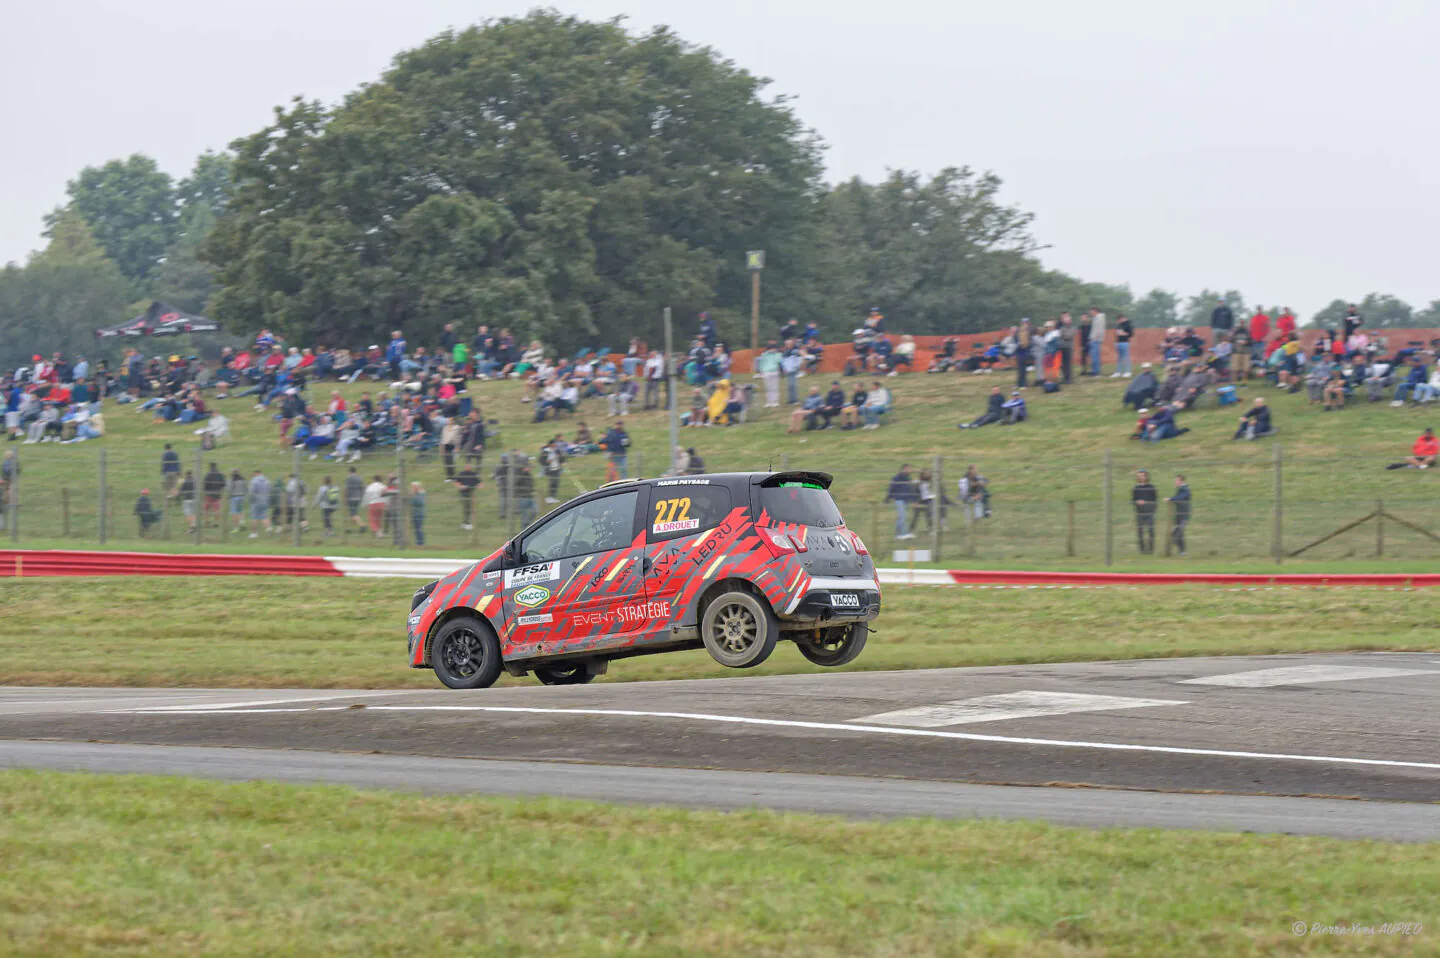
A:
[532, 595]
[528, 574]
[678, 525]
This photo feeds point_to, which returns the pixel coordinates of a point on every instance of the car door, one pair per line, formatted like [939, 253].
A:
[578, 580]
[688, 523]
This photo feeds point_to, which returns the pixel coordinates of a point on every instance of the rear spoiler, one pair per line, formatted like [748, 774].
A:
[821, 479]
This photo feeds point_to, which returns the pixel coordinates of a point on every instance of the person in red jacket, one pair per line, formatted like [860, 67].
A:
[1426, 448]
[1285, 323]
[1259, 326]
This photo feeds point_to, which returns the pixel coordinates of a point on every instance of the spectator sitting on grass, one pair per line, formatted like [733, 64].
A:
[1014, 409]
[1256, 421]
[1162, 424]
[1334, 391]
[1192, 386]
[804, 417]
[834, 403]
[1141, 392]
[1422, 454]
[877, 404]
[1316, 378]
[850, 412]
[994, 410]
[1415, 378]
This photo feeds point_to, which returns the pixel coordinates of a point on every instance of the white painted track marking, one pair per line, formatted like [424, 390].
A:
[1303, 675]
[224, 706]
[1010, 705]
[845, 727]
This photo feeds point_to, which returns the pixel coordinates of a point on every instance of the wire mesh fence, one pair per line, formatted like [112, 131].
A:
[1275, 508]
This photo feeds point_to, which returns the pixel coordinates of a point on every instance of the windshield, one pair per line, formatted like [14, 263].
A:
[800, 502]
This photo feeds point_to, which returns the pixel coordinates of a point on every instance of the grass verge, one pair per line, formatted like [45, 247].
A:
[157, 866]
[349, 633]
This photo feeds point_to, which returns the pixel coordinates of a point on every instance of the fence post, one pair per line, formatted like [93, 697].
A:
[200, 493]
[1277, 530]
[65, 511]
[1109, 508]
[1070, 527]
[784, 462]
[402, 502]
[103, 507]
[13, 492]
[1379, 527]
[936, 491]
[940, 505]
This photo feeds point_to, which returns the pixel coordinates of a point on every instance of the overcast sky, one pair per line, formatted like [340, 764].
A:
[1285, 148]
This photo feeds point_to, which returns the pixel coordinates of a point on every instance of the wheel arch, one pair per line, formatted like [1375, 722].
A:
[455, 612]
[730, 584]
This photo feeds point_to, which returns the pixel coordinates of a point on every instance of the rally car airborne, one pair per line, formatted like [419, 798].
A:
[731, 562]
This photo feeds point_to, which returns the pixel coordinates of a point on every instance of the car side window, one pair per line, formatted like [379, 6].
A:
[598, 525]
[683, 510]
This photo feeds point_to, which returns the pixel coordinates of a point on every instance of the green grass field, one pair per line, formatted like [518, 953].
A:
[156, 866]
[1333, 473]
[349, 633]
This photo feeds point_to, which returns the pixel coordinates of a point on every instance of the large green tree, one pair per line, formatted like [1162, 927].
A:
[1158, 308]
[1379, 310]
[559, 177]
[58, 299]
[130, 206]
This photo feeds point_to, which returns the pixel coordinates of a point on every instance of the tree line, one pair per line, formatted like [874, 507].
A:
[564, 178]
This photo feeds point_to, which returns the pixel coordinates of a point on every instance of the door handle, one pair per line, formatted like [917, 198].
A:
[646, 565]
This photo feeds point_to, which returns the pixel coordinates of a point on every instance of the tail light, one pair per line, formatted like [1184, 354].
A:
[859, 545]
[783, 542]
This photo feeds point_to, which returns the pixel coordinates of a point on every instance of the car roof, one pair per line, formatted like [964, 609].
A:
[823, 479]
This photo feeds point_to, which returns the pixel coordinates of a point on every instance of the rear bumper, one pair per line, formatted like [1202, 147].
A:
[835, 599]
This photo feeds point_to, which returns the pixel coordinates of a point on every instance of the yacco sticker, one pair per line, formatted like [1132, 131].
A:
[677, 525]
[543, 619]
[683, 482]
[526, 574]
[532, 595]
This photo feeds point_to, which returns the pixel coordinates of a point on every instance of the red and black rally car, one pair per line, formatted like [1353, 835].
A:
[732, 562]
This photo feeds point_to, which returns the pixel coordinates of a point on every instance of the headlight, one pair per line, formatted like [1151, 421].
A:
[421, 594]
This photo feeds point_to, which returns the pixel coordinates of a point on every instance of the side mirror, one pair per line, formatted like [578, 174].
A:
[511, 551]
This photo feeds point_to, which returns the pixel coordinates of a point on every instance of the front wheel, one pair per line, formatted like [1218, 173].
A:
[465, 654]
[564, 674]
[834, 646]
[738, 630]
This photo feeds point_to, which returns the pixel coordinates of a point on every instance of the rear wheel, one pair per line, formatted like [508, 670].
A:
[834, 646]
[465, 654]
[738, 630]
[576, 674]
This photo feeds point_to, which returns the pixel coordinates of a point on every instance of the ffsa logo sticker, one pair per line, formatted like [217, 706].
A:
[530, 574]
[531, 596]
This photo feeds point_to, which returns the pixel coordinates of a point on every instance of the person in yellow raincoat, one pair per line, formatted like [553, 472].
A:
[719, 399]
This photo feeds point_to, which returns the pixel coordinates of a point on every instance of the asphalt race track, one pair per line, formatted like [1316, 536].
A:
[1154, 740]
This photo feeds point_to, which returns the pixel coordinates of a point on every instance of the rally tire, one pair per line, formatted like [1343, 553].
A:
[465, 654]
[839, 645]
[577, 674]
[738, 629]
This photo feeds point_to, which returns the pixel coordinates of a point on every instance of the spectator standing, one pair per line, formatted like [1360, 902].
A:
[1181, 502]
[1259, 326]
[524, 491]
[235, 489]
[1024, 351]
[395, 354]
[974, 493]
[767, 367]
[187, 499]
[465, 484]
[451, 435]
[1353, 321]
[169, 471]
[374, 503]
[902, 492]
[259, 503]
[295, 501]
[1222, 319]
[552, 461]
[354, 496]
[654, 373]
[145, 513]
[1097, 339]
[1144, 497]
[1067, 348]
[214, 488]
[501, 475]
[9, 486]
[327, 500]
[790, 363]
[417, 511]
[1124, 331]
[1285, 323]
[616, 443]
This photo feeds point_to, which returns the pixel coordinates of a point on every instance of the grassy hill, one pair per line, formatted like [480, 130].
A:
[1047, 476]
